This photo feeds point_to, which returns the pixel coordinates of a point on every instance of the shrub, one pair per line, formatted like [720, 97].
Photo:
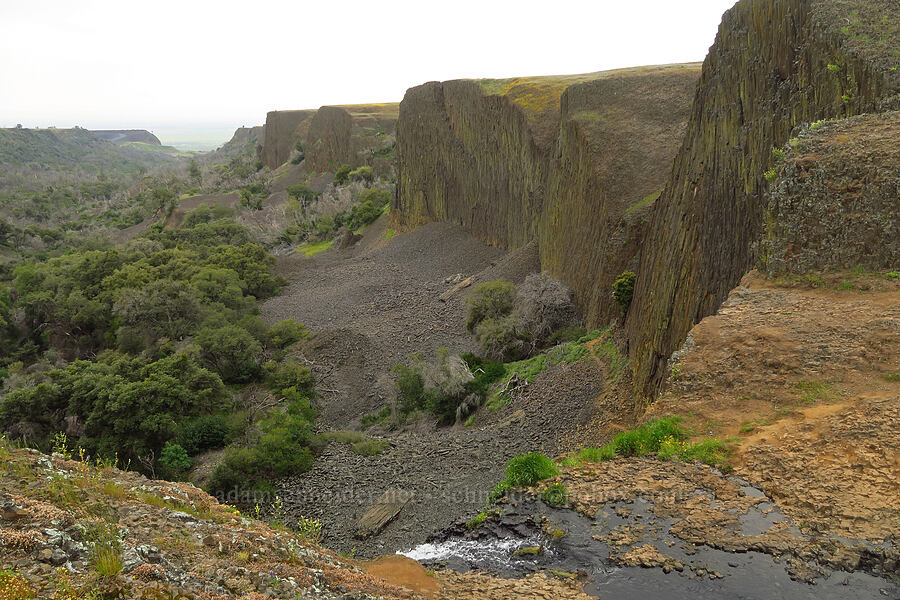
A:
[231, 351]
[528, 469]
[175, 460]
[555, 495]
[484, 371]
[301, 192]
[288, 374]
[499, 338]
[623, 289]
[284, 333]
[542, 306]
[342, 175]
[206, 432]
[410, 389]
[490, 300]
[364, 173]
[569, 333]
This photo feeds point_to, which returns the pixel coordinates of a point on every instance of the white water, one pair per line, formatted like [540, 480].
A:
[493, 552]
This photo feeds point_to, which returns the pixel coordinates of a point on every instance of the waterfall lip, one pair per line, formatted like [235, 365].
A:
[498, 552]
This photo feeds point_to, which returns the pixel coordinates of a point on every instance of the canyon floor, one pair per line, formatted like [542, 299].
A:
[800, 376]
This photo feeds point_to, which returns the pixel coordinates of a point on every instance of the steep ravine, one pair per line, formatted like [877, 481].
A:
[564, 160]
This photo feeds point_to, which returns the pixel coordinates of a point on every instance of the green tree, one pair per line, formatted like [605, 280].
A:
[342, 175]
[231, 351]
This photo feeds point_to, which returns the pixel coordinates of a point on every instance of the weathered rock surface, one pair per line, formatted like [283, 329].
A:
[562, 160]
[331, 136]
[279, 135]
[775, 65]
[837, 202]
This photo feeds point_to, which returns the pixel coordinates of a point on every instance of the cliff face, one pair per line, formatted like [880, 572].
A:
[331, 136]
[564, 160]
[121, 136]
[279, 135]
[616, 144]
[835, 205]
[775, 64]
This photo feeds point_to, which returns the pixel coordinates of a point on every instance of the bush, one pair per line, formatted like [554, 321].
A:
[555, 495]
[410, 389]
[364, 173]
[500, 339]
[175, 460]
[342, 175]
[301, 192]
[207, 432]
[484, 371]
[231, 351]
[288, 374]
[490, 300]
[543, 305]
[284, 333]
[623, 289]
[528, 469]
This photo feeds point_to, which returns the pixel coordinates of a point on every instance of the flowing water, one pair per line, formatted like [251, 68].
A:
[707, 572]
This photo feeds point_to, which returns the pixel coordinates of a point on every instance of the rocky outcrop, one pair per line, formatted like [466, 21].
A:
[835, 205]
[122, 136]
[332, 136]
[568, 161]
[280, 135]
[244, 140]
[775, 65]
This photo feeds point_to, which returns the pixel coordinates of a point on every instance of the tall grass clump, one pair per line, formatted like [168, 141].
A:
[525, 470]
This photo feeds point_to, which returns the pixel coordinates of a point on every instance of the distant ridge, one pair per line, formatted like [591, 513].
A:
[122, 136]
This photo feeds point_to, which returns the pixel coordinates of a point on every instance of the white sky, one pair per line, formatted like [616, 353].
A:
[195, 64]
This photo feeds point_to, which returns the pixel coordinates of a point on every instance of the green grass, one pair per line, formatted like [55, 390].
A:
[555, 495]
[525, 470]
[368, 447]
[359, 442]
[389, 233]
[528, 369]
[313, 248]
[477, 521]
[895, 376]
[645, 201]
[606, 349]
[666, 438]
[814, 391]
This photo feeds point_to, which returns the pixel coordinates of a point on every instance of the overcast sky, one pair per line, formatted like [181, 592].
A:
[201, 64]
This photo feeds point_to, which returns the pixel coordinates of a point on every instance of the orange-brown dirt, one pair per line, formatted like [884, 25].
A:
[804, 381]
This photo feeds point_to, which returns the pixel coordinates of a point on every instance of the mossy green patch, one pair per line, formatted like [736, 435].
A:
[313, 248]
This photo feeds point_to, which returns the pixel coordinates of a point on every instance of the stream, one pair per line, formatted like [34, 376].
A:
[521, 542]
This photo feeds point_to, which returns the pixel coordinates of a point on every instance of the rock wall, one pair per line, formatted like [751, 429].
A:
[836, 204]
[332, 136]
[279, 135]
[617, 139]
[775, 64]
[564, 160]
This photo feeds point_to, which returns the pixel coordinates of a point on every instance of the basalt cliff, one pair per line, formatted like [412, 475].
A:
[574, 162]
[590, 165]
[331, 136]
